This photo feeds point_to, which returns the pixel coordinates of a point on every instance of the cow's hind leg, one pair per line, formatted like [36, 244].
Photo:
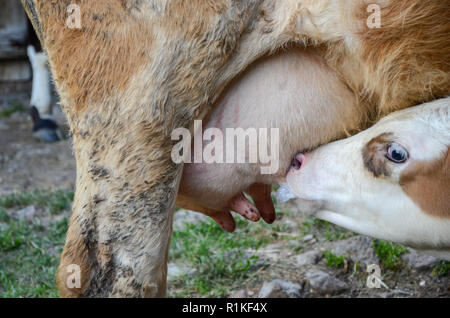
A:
[121, 225]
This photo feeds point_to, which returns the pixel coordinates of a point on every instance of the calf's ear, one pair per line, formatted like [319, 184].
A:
[427, 183]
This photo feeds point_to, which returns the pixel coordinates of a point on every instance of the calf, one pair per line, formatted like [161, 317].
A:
[391, 181]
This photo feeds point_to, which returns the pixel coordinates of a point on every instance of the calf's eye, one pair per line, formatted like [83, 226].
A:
[396, 153]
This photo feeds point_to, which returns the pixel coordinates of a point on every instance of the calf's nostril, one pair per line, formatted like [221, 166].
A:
[298, 161]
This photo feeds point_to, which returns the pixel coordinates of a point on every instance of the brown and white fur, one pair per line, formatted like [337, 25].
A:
[355, 182]
[137, 69]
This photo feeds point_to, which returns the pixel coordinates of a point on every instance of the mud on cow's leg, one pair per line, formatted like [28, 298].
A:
[121, 225]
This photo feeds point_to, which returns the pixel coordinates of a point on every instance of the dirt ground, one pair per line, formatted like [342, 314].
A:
[26, 164]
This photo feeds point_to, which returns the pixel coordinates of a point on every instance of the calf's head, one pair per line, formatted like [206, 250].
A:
[391, 181]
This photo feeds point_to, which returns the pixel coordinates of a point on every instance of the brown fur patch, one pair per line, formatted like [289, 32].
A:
[406, 60]
[98, 60]
[374, 160]
[428, 185]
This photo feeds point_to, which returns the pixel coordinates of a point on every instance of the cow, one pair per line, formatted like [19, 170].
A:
[391, 181]
[133, 71]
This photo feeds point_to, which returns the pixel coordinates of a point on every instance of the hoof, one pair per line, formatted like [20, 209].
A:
[46, 130]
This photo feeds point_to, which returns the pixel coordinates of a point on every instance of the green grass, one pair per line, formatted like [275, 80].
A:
[54, 201]
[28, 265]
[6, 112]
[218, 258]
[333, 260]
[389, 253]
[4, 217]
[29, 251]
[325, 230]
[442, 269]
[13, 236]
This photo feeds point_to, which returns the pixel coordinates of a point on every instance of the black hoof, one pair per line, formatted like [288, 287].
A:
[47, 134]
[45, 129]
